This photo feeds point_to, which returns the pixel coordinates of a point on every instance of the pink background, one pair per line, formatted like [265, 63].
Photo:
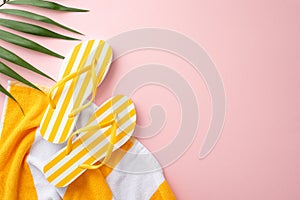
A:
[255, 46]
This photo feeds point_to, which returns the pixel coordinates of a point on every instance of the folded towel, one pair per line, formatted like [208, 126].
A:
[23, 154]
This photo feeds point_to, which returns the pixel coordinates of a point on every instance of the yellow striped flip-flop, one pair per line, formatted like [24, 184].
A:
[83, 69]
[108, 129]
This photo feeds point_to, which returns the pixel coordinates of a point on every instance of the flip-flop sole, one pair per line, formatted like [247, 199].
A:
[56, 126]
[91, 147]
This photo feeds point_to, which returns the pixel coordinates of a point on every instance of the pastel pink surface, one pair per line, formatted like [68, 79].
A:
[255, 46]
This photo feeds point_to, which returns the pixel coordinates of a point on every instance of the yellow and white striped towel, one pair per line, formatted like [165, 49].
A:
[23, 153]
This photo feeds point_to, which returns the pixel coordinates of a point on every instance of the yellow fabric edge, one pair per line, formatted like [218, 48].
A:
[92, 183]
[16, 181]
[163, 192]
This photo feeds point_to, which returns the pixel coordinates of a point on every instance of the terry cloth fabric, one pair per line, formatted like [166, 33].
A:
[23, 154]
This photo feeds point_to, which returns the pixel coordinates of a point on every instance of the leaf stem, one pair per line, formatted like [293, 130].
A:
[4, 2]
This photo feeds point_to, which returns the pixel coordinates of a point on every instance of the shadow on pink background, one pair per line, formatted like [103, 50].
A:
[255, 46]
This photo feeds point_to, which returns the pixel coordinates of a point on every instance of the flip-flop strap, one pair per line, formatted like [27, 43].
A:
[109, 150]
[75, 111]
[63, 81]
[77, 132]
[90, 68]
[85, 129]
[112, 141]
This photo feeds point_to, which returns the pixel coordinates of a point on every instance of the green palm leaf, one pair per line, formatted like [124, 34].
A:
[11, 57]
[4, 69]
[4, 91]
[47, 5]
[32, 29]
[36, 17]
[26, 43]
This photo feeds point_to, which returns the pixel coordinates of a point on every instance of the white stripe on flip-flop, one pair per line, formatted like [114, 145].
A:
[64, 93]
[119, 130]
[88, 90]
[105, 114]
[102, 56]
[61, 72]
[65, 62]
[78, 86]
[127, 110]
[75, 151]
[115, 106]
[87, 156]
[70, 106]
[121, 142]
